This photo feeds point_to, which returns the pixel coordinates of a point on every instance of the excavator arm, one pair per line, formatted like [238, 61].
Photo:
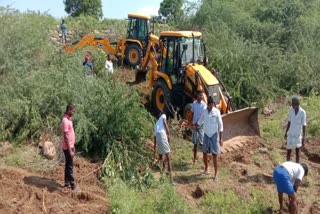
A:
[102, 43]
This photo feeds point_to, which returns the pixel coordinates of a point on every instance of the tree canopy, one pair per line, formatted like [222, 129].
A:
[84, 7]
[262, 49]
[171, 9]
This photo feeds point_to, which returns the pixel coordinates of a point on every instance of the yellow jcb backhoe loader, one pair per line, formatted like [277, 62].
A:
[177, 71]
[131, 48]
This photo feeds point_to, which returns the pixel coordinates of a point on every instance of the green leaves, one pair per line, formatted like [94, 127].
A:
[171, 9]
[263, 49]
[37, 80]
[84, 7]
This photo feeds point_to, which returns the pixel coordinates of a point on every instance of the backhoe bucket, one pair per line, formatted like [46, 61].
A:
[243, 122]
[140, 75]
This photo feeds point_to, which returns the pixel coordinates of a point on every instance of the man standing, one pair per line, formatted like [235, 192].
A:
[297, 122]
[197, 132]
[162, 139]
[68, 140]
[212, 123]
[63, 28]
[109, 65]
[88, 62]
[288, 177]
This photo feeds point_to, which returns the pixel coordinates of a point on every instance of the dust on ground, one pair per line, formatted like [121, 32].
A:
[26, 191]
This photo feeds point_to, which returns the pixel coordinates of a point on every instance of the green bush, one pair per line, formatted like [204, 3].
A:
[37, 80]
[88, 24]
[229, 202]
[125, 199]
[263, 49]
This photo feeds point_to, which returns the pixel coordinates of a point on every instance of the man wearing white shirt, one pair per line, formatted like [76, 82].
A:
[296, 129]
[288, 177]
[109, 65]
[213, 128]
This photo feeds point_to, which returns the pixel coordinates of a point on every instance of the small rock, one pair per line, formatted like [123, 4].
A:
[263, 150]
[267, 111]
[48, 149]
[5, 149]
[53, 39]
[258, 164]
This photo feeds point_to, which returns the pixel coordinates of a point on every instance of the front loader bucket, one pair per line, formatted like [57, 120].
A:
[243, 122]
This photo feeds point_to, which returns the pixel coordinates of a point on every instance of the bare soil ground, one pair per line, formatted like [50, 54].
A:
[26, 191]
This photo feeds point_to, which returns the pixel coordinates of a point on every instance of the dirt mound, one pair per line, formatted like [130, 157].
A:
[312, 151]
[41, 192]
[242, 154]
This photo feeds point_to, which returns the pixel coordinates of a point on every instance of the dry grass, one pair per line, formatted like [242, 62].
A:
[29, 157]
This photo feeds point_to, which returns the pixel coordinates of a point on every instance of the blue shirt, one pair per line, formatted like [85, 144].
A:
[197, 109]
[63, 28]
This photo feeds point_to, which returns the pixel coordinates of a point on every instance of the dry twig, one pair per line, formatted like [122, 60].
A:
[43, 204]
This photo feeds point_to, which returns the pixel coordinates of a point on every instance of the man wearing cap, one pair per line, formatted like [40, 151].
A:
[197, 132]
[296, 129]
[288, 177]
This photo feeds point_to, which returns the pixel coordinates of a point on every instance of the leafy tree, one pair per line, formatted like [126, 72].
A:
[84, 7]
[171, 9]
[262, 49]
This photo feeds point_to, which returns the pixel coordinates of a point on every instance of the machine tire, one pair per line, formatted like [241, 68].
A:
[161, 95]
[133, 55]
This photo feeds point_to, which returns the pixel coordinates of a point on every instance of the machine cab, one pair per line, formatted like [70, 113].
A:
[180, 48]
[138, 27]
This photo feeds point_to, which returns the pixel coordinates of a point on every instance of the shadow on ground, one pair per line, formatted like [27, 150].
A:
[258, 178]
[181, 166]
[42, 182]
[188, 179]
